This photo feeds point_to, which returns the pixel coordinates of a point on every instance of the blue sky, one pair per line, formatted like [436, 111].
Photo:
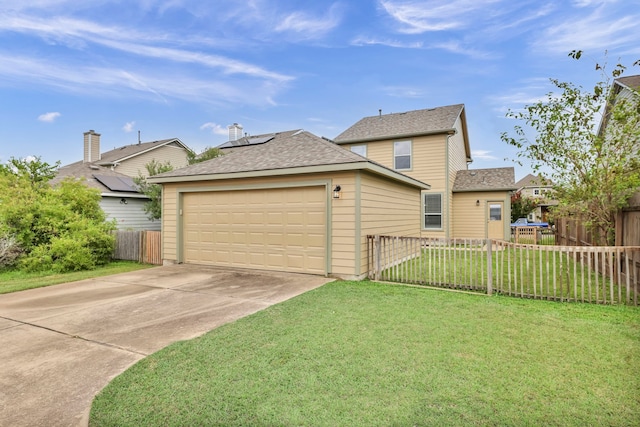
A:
[189, 68]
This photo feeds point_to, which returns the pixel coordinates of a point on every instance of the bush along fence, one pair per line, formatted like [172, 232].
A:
[603, 275]
[141, 246]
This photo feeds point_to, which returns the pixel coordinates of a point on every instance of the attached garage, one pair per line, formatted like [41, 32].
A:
[281, 229]
[290, 202]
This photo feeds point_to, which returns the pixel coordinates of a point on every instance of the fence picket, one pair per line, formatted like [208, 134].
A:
[587, 274]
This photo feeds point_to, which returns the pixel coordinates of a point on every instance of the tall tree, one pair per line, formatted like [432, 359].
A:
[153, 207]
[36, 171]
[207, 154]
[595, 171]
[521, 206]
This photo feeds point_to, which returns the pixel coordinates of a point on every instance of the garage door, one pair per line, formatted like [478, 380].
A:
[280, 229]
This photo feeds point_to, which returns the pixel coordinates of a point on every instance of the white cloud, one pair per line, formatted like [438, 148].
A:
[404, 91]
[417, 16]
[128, 127]
[482, 155]
[370, 41]
[77, 33]
[49, 117]
[310, 27]
[601, 30]
[115, 82]
[215, 128]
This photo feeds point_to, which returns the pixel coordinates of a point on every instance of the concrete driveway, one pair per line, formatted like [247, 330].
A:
[61, 345]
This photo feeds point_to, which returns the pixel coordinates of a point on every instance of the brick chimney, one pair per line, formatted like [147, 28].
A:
[91, 146]
[235, 132]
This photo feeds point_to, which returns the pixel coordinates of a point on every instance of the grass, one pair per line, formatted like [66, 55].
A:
[363, 353]
[15, 280]
[521, 271]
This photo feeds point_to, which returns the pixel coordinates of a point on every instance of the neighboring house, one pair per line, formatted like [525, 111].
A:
[482, 202]
[540, 190]
[287, 201]
[432, 145]
[112, 173]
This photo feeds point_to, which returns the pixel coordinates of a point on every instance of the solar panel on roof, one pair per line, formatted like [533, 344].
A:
[248, 140]
[118, 183]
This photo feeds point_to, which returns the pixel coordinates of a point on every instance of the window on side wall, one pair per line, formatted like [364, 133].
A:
[402, 155]
[359, 149]
[432, 211]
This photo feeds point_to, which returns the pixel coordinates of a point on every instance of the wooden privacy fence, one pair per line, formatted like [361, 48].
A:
[604, 275]
[141, 246]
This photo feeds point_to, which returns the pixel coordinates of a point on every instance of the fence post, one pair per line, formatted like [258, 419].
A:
[376, 244]
[489, 268]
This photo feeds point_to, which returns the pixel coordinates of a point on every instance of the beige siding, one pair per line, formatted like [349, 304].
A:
[470, 220]
[134, 166]
[435, 161]
[343, 233]
[387, 208]
[342, 226]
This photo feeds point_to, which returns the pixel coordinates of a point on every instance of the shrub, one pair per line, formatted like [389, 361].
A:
[10, 250]
[60, 229]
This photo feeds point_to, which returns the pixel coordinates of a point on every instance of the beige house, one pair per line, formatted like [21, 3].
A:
[432, 145]
[112, 173]
[540, 190]
[288, 201]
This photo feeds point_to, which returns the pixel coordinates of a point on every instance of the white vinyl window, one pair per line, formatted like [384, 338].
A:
[495, 212]
[402, 155]
[432, 211]
[359, 149]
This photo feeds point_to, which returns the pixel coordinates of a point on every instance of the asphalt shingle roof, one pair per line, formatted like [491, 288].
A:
[410, 123]
[86, 171]
[630, 81]
[289, 149]
[533, 181]
[117, 154]
[286, 150]
[495, 179]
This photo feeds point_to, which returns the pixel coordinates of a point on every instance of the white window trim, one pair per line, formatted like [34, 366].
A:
[423, 213]
[410, 155]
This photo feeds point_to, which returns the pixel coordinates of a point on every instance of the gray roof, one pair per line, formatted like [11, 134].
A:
[496, 179]
[632, 82]
[289, 150]
[118, 154]
[407, 124]
[88, 172]
[533, 181]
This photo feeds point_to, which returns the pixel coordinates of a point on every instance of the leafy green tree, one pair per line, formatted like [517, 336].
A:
[521, 206]
[34, 169]
[60, 228]
[594, 172]
[207, 154]
[153, 208]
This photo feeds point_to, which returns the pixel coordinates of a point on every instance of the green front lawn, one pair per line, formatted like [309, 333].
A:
[15, 280]
[362, 353]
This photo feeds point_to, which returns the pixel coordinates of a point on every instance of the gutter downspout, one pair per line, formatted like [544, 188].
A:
[447, 185]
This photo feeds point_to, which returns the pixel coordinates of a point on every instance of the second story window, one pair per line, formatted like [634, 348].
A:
[359, 149]
[402, 155]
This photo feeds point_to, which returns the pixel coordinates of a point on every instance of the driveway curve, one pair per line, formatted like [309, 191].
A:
[60, 345]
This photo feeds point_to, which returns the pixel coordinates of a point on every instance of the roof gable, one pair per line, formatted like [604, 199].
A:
[126, 152]
[630, 82]
[533, 181]
[495, 179]
[401, 125]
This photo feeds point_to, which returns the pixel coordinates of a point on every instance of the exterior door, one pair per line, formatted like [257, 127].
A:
[495, 220]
